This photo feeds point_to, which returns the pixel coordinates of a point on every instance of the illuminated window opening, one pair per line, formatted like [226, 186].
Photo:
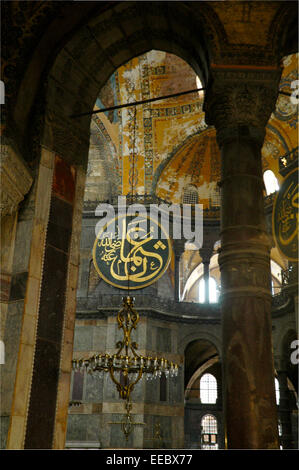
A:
[208, 389]
[190, 195]
[270, 181]
[209, 433]
[277, 392]
[213, 291]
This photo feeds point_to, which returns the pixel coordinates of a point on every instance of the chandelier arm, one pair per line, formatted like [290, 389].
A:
[117, 383]
[138, 377]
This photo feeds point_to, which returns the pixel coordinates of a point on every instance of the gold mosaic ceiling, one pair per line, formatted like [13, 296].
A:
[172, 145]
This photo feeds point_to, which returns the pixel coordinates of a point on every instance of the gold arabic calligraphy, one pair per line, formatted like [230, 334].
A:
[138, 265]
[288, 215]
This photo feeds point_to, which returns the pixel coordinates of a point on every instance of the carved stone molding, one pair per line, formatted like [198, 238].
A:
[241, 98]
[15, 180]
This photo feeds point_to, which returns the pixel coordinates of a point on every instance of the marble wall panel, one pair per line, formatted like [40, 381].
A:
[88, 235]
[11, 340]
[83, 427]
[158, 432]
[117, 438]
[93, 389]
[152, 391]
[22, 246]
[4, 425]
[99, 338]
[176, 389]
[109, 390]
[163, 339]
[83, 338]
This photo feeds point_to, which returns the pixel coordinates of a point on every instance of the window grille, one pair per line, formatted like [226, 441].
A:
[209, 432]
[190, 195]
[208, 389]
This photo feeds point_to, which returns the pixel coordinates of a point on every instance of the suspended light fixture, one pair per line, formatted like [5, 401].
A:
[126, 367]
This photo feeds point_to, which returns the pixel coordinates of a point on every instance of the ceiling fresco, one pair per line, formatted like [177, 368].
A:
[163, 146]
[196, 163]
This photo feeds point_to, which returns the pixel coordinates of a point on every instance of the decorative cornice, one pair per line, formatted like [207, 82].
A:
[151, 306]
[167, 309]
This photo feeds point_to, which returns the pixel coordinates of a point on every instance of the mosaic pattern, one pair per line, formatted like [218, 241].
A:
[162, 127]
[143, 80]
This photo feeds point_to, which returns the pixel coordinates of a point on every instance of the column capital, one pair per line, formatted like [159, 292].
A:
[206, 254]
[178, 247]
[239, 101]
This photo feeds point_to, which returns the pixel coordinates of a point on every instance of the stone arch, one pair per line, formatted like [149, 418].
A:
[203, 335]
[283, 30]
[97, 49]
[201, 370]
[287, 346]
[197, 353]
[70, 85]
[283, 342]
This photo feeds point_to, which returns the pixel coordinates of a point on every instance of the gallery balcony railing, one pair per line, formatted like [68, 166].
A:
[280, 300]
[210, 212]
[151, 302]
[289, 276]
[169, 308]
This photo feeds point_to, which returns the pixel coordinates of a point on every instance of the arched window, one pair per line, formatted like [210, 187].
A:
[190, 195]
[271, 183]
[209, 432]
[208, 389]
[213, 293]
[277, 392]
[275, 277]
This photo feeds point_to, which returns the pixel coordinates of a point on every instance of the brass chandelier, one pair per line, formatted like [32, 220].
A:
[126, 367]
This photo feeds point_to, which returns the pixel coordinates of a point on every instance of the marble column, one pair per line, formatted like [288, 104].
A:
[206, 253]
[178, 248]
[239, 103]
[206, 276]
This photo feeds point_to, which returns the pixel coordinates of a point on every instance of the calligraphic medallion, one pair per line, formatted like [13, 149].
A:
[285, 217]
[130, 253]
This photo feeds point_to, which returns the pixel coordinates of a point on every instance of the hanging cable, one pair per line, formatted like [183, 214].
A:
[136, 103]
